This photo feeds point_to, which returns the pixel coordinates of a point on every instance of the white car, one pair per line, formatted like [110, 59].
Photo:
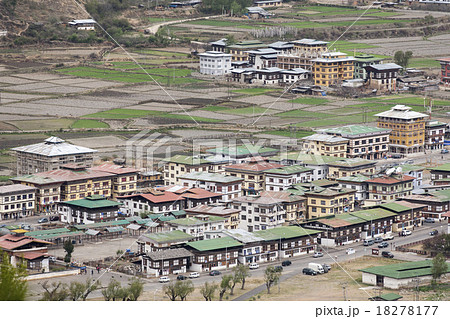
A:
[350, 251]
[164, 279]
[253, 266]
[194, 275]
[406, 232]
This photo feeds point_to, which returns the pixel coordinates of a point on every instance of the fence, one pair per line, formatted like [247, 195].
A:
[404, 248]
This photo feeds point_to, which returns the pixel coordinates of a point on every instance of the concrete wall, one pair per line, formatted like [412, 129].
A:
[53, 274]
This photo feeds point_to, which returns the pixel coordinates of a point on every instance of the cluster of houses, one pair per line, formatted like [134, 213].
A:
[309, 61]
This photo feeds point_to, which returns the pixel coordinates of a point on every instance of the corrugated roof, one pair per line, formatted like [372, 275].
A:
[214, 244]
[444, 168]
[169, 254]
[115, 229]
[191, 221]
[167, 237]
[53, 147]
[384, 66]
[288, 170]
[15, 188]
[211, 177]
[305, 158]
[115, 169]
[285, 232]
[186, 159]
[243, 150]
[92, 203]
[325, 138]
[351, 130]
[352, 162]
[102, 224]
[401, 206]
[401, 112]
[404, 270]
[257, 167]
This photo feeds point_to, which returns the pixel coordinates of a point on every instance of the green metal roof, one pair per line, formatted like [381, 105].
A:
[102, 224]
[167, 237]
[308, 159]
[214, 244]
[190, 221]
[443, 195]
[445, 167]
[373, 214]
[350, 218]
[243, 150]
[57, 235]
[115, 229]
[285, 232]
[352, 162]
[92, 202]
[390, 297]
[398, 208]
[178, 213]
[350, 130]
[160, 217]
[410, 168]
[38, 233]
[288, 170]
[186, 159]
[403, 270]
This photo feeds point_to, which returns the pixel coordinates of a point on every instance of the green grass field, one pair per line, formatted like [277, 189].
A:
[255, 91]
[303, 113]
[347, 45]
[423, 63]
[160, 53]
[89, 124]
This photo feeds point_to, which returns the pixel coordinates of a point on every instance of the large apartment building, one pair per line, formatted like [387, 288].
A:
[383, 77]
[389, 188]
[329, 201]
[124, 181]
[239, 51]
[17, 201]
[324, 144]
[332, 68]
[434, 134]
[363, 141]
[50, 155]
[408, 129]
[178, 165]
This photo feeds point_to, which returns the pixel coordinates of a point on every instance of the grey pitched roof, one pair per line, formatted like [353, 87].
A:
[53, 146]
[169, 254]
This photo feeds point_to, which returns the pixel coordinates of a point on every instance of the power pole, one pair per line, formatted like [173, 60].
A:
[344, 287]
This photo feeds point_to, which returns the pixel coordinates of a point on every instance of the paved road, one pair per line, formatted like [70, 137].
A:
[339, 254]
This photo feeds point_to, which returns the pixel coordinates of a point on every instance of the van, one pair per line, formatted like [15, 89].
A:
[316, 267]
[368, 242]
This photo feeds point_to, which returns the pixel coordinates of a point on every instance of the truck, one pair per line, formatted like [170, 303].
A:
[316, 267]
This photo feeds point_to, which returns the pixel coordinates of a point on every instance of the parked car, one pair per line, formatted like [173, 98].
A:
[43, 220]
[54, 218]
[388, 237]
[406, 232]
[286, 263]
[164, 279]
[444, 151]
[434, 232]
[397, 156]
[214, 273]
[326, 267]
[309, 271]
[317, 254]
[181, 277]
[253, 266]
[387, 254]
[194, 275]
[368, 242]
[25, 226]
[278, 268]
[429, 220]
[409, 162]
[383, 245]
[350, 251]
[378, 239]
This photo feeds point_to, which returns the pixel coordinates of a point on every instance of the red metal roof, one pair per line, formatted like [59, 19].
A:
[199, 193]
[258, 167]
[10, 242]
[30, 255]
[390, 179]
[114, 169]
[73, 175]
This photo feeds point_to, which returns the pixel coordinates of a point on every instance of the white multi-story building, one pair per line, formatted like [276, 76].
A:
[215, 63]
[259, 212]
[17, 201]
[229, 186]
[201, 226]
[278, 179]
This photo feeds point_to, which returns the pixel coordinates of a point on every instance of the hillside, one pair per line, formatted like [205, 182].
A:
[16, 18]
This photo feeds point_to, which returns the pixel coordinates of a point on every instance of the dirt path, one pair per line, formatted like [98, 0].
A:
[154, 28]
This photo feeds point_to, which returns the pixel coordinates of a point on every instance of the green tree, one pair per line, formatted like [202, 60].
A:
[271, 277]
[13, 287]
[439, 268]
[78, 290]
[57, 291]
[208, 290]
[242, 271]
[113, 291]
[69, 248]
[225, 284]
[439, 244]
[135, 289]
[184, 288]
[402, 58]
[171, 291]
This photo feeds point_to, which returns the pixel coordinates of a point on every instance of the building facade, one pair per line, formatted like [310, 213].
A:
[92, 209]
[52, 154]
[178, 165]
[390, 188]
[383, 77]
[434, 134]
[445, 71]
[279, 179]
[17, 201]
[332, 68]
[215, 63]
[407, 129]
[324, 144]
